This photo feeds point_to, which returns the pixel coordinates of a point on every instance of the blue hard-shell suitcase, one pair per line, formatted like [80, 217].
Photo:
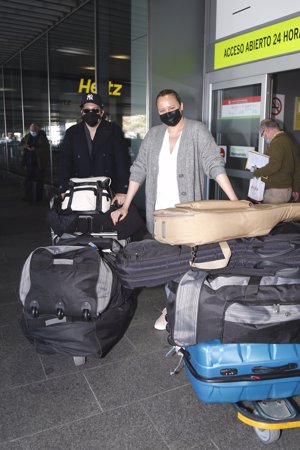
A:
[229, 373]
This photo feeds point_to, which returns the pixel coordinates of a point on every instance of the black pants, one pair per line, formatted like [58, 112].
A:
[34, 183]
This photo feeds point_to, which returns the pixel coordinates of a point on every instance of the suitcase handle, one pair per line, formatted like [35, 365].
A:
[264, 369]
[287, 372]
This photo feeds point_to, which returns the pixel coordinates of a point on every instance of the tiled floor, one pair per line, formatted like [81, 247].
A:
[127, 400]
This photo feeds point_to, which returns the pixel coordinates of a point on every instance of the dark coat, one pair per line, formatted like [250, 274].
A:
[110, 156]
[41, 146]
[283, 168]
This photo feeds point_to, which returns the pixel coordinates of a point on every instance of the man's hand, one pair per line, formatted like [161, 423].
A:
[295, 196]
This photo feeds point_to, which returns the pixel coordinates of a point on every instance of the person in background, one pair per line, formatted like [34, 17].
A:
[282, 173]
[95, 147]
[36, 156]
[174, 158]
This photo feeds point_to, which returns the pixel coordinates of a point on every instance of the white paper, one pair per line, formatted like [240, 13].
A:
[256, 159]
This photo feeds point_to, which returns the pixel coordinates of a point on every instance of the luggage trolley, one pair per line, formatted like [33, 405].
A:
[269, 417]
[258, 379]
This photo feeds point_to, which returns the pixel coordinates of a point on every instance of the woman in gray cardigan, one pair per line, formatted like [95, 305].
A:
[173, 159]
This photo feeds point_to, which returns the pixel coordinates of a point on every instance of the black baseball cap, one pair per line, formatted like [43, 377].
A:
[91, 98]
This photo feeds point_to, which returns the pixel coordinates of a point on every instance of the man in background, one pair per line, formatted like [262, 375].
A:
[36, 156]
[282, 174]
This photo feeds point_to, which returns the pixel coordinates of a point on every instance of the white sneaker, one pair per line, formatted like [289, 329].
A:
[161, 322]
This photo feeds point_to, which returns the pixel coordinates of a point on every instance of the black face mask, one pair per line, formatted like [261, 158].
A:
[171, 118]
[91, 118]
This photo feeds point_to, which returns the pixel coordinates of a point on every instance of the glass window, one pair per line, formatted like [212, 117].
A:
[235, 125]
[104, 38]
[12, 91]
[35, 84]
[114, 57]
[72, 65]
[13, 107]
[3, 152]
[122, 67]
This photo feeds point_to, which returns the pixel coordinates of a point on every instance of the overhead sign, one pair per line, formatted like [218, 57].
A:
[274, 40]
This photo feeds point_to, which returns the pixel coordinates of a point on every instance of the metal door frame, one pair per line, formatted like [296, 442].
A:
[266, 96]
[266, 99]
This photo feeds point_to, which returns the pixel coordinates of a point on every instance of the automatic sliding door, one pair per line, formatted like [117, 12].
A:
[236, 113]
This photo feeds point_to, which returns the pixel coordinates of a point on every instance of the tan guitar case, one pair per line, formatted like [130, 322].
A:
[208, 221]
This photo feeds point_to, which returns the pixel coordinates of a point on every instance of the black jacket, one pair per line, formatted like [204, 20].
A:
[109, 157]
[42, 149]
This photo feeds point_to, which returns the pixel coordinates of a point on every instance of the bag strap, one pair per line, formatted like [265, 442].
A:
[252, 287]
[70, 195]
[215, 264]
[187, 305]
[103, 190]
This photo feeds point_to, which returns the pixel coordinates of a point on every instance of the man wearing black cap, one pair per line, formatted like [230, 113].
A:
[95, 147]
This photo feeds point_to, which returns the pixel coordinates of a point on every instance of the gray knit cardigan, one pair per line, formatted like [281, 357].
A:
[198, 155]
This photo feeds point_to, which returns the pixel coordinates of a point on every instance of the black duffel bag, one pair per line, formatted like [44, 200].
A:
[67, 221]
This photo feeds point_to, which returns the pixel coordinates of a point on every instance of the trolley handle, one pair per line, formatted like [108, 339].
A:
[277, 369]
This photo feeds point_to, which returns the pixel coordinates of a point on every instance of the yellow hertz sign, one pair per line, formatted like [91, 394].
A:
[90, 86]
[278, 39]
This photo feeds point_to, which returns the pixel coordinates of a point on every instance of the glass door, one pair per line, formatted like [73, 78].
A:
[237, 107]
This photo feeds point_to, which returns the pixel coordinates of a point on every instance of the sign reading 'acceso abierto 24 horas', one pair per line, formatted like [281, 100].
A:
[274, 40]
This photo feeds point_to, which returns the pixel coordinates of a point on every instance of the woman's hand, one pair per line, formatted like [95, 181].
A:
[119, 198]
[119, 214]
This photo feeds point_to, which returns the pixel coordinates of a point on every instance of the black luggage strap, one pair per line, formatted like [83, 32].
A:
[252, 287]
[101, 186]
[194, 253]
[173, 286]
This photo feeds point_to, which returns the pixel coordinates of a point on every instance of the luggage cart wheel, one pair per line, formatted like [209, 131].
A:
[34, 311]
[267, 436]
[79, 360]
[86, 314]
[60, 313]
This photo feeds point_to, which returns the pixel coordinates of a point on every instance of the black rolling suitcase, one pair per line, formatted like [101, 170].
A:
[72, 300]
